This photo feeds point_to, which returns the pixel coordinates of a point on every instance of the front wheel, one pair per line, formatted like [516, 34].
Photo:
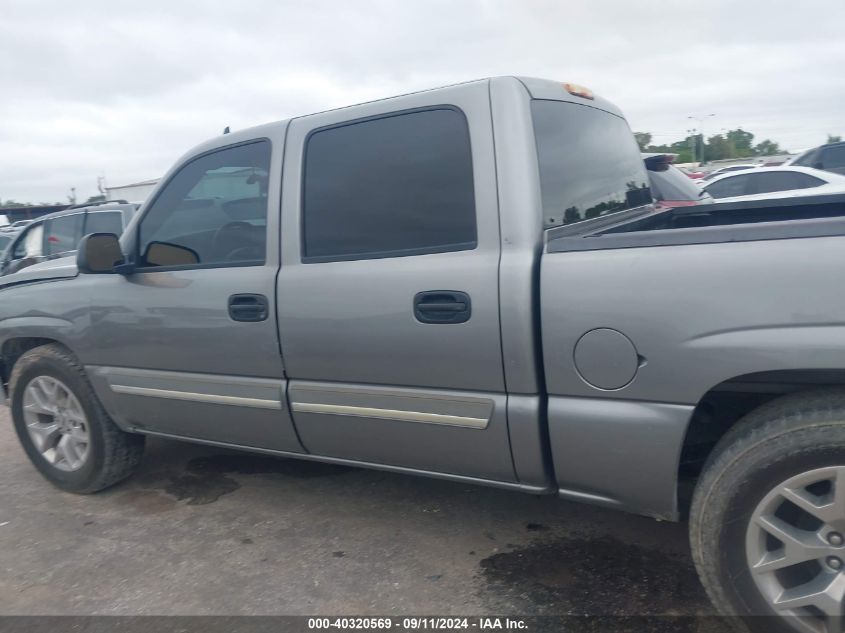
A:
[767, 524]
[63, 428]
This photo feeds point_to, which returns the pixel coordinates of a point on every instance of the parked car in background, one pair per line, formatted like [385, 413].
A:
[774, 182]
[694, 175]
[670, 187]
[725, 170]
[58, 234]
[828, 157]
[16, 226]
[5, 240]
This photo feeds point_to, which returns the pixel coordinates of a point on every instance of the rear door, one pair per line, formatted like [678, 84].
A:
[62, 234]
[388, 294]
[104, 222]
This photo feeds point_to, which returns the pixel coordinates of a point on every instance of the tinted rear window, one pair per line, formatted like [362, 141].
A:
[104, 222]
[590, 164]
[388, 187]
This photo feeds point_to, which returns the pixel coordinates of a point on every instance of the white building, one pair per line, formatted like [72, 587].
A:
[135, 192]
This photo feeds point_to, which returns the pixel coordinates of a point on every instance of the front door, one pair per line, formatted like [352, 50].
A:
[187, 345]
[388, 294]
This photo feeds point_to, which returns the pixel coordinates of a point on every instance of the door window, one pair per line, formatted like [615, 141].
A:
[728, 187]
[213, 212]
[388, 187]
[767, 182]
[30, 244]
[104, 222]
[833, 158]
[62, 234]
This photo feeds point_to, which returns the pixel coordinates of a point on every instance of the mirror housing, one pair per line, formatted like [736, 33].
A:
[99, 253]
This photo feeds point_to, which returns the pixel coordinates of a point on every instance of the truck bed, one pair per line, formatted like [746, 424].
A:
[810, 216]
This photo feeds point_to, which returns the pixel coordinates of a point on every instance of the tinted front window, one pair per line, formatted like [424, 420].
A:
[215, 207]
[104, 222]
[63, 234]
[399, 185]
[673, 184]
[728, 187]
[30, 243]
[834, 157]
[590, 164]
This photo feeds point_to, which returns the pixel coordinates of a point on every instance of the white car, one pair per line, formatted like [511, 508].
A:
[774, 182]
[726, 170]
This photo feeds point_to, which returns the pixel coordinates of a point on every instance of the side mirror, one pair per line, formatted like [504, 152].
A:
[98, 253]
[166, 254]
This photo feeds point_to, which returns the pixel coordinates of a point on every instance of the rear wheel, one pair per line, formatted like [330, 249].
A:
[62, 426]
[767, 524]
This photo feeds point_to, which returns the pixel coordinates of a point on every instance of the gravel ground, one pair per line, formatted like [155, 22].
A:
[204, 531]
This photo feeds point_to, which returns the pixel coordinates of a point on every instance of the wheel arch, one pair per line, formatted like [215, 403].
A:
[722, 406]
[15, 347]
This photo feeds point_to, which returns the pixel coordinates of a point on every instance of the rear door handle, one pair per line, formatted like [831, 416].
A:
[442, 306]
[250, 308]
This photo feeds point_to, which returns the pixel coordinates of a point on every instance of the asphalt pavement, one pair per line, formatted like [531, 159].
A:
[205, 531]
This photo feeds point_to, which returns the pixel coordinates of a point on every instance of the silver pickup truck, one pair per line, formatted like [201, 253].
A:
[468, 283]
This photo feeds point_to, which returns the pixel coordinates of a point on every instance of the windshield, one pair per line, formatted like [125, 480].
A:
[590, 164]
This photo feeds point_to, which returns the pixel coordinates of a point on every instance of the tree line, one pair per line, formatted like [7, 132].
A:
[736, 143]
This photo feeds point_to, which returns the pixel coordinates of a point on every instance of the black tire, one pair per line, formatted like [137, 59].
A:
[112, 455]
[783, 438]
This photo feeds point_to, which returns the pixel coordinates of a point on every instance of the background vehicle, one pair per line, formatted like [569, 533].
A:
[670, 187]
[829, 157]
[57, 234]
[14, 227]
[775, 182]
[5, 240]
[725, 170]
[469, 283]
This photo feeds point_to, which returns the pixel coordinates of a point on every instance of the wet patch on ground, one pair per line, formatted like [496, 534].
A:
[593, 576]
[200, 490]
[145, 502]
[246, 464]
[206, 479]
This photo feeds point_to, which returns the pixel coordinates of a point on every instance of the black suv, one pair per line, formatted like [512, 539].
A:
[830, 157]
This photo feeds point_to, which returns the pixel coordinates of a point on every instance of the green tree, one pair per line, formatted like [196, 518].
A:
[741, 141]
[6, 204]
[643, 140]
[833, 139]
[767, 148]
[718, 147]
[93, 199]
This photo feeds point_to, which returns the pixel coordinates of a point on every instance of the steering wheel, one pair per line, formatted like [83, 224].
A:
[232, 237]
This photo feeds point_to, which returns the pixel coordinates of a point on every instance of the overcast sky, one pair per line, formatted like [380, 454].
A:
[121, 89]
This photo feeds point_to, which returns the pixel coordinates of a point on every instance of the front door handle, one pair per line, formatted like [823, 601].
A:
[442, 306]
[250, 308]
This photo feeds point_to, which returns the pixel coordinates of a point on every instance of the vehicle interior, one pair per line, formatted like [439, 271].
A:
[218, 214]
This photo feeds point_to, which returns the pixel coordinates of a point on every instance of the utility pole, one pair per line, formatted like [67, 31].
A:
[700, 120]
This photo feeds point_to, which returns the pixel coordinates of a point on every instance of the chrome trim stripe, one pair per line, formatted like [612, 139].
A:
[257, 403]
[391, 414]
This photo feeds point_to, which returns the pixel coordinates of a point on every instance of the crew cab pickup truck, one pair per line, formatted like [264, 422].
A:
[469, 283]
